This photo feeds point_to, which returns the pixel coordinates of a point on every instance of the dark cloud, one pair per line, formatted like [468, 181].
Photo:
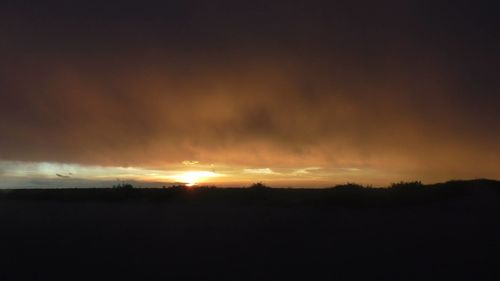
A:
[405, 87]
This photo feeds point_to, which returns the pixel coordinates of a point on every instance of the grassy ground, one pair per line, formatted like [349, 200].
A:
[409, 232]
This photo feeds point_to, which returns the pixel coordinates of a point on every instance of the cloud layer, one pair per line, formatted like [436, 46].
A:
[398, 90]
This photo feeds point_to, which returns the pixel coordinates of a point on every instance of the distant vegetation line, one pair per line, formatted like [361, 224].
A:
[348, 185]
[350, 194]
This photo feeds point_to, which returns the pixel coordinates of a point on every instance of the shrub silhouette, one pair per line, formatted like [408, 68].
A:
[259, 186]
[206, 187]
[349, 186]
[178, 186]
[124, 186]
[407, 185]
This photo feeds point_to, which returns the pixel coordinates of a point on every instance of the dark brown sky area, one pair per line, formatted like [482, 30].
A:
[392, 89]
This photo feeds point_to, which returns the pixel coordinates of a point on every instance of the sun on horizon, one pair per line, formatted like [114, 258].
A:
[193, 178]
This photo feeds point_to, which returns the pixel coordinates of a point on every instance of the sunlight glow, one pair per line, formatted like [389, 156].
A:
[192, 178]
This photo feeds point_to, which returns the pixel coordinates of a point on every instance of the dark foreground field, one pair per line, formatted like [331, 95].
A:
[442, 232]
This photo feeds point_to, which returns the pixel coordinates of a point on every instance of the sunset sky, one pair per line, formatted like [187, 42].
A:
[291, 93]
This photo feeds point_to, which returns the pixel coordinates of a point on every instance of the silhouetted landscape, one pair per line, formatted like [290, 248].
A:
[200, 140]
[409, 231]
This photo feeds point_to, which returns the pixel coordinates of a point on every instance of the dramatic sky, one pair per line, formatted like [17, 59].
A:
[293, 93]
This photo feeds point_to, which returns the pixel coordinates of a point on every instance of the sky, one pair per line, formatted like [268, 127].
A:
[292, 93]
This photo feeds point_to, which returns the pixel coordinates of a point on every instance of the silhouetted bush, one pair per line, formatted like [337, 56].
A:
[123, 186]
[178, 187]
[407, 185]
[348, 186]
[259, 186]
[206, 187]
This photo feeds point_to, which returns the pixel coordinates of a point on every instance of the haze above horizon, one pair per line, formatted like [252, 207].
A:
[309, 93]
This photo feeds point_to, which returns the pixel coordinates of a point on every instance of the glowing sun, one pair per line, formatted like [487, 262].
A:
[194, 177]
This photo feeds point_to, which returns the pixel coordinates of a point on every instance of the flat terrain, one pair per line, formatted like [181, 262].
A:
[442, 232]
